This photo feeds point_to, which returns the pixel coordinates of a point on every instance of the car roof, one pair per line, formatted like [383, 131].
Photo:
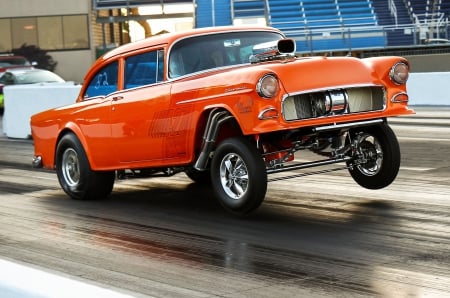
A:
[25, 70]
[8, 57]
[30, 72]
[169, 38]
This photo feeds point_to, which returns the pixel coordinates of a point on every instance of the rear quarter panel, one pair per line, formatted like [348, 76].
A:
[87, 120]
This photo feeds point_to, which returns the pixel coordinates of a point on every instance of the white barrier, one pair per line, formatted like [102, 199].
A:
[429, 88]
[22, 101]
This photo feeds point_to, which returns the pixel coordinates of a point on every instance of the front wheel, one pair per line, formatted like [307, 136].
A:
[238, 176]
[377, 157]
[75, 175]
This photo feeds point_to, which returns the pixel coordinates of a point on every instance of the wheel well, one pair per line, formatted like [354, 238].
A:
[214, 126]
[60, 136]
[228, 129]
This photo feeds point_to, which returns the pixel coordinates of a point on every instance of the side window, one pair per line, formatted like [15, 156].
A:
[144, 69]
[104, 82]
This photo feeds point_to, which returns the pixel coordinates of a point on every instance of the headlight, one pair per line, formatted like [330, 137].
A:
[267, 86]
[399, 73]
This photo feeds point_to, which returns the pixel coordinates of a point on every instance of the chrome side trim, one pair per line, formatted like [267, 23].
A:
[394, 98]
[261, 114]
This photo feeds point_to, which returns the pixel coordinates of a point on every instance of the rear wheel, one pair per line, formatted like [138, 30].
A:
[75, 175]
[238, 175]
[377, 158]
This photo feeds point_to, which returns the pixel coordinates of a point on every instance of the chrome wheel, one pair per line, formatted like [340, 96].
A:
[238, 175]
[70, 167]
[371, 153]
[234, 176]
[377, 156]
[74, 172]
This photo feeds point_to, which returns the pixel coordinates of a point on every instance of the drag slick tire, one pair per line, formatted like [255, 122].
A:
[378, 147]
[238, 175]
[74, 172]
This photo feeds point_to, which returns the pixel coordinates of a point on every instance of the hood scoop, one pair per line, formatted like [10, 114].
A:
[273, 50]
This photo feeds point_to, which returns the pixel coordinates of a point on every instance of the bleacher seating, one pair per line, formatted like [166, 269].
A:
[357, 13]
[410, 14]
[444, 7]
[420, 7]
[394, 22]
[286, 15]
[248, 8]
[432, 12]
[327, 24]
[321, 13]
[319, 25]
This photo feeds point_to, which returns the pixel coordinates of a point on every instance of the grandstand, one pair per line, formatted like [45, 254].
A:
[347, 25]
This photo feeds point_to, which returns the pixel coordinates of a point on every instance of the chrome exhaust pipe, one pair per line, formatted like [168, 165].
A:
[215, 119]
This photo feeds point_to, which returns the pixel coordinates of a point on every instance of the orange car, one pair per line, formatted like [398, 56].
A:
[227, 106]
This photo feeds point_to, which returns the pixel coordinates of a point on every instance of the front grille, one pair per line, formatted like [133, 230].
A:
[333, 102]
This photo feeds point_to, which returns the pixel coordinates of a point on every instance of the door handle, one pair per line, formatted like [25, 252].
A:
[116, 98]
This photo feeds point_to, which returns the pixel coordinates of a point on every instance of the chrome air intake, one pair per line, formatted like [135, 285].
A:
[333, 102]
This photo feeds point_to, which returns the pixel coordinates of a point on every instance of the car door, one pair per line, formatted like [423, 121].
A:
[94, 118]
[139, 113]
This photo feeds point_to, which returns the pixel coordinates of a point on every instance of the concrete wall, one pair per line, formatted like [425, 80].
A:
[429, 63]
[73, 65]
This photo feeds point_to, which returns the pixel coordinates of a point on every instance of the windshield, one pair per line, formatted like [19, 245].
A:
[210, 51]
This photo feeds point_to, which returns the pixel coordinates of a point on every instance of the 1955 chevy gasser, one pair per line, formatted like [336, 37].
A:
[227, 106]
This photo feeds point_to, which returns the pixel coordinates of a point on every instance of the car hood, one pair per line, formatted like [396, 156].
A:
[315, 73]
[296, 75]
